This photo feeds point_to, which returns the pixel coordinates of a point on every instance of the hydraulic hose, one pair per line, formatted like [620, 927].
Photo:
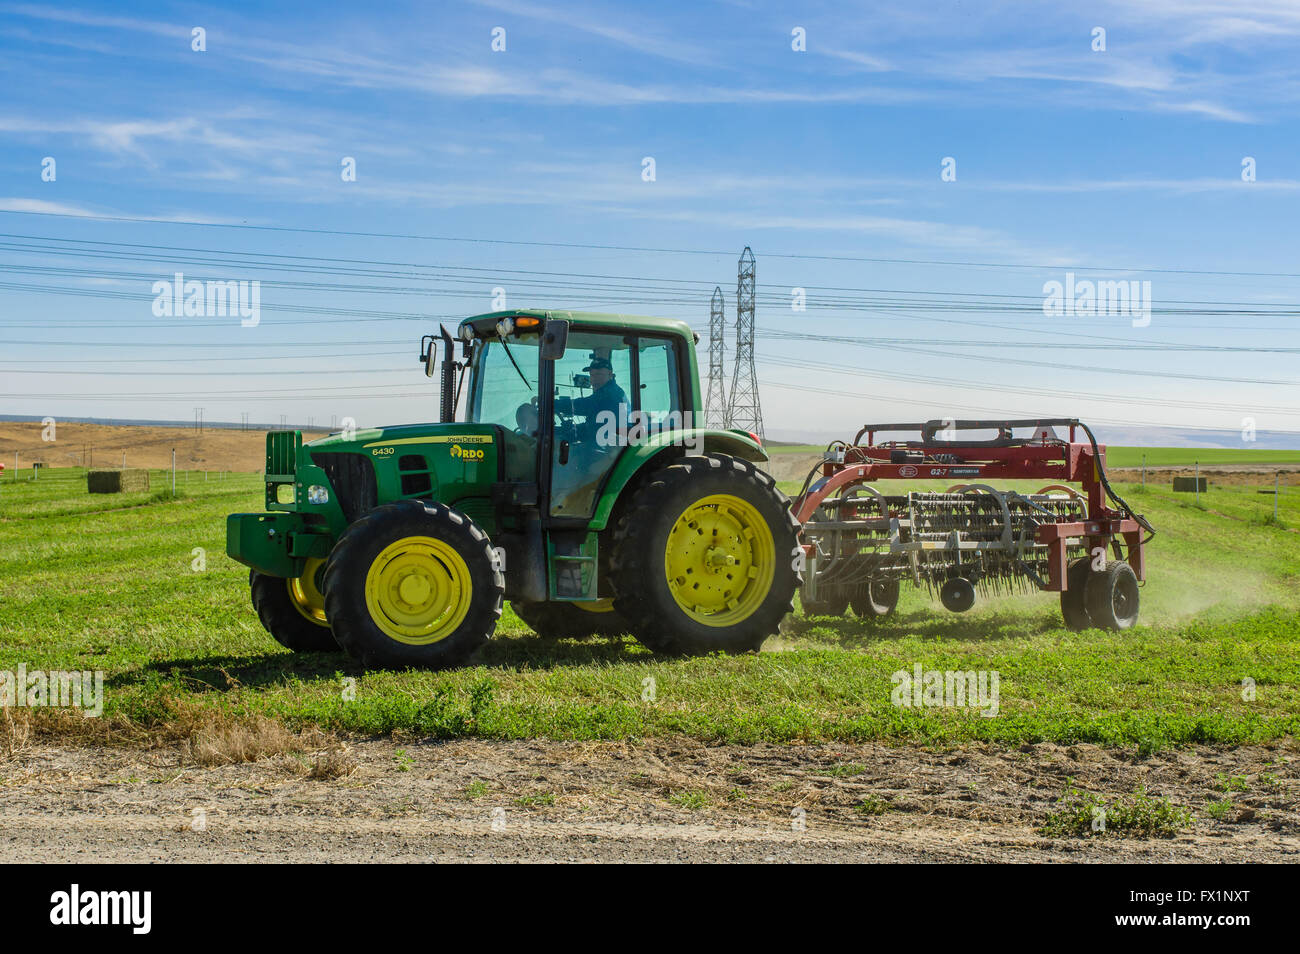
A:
[1110, 492]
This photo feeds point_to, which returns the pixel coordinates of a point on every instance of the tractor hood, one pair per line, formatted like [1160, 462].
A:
[340, 477]
[395, 436]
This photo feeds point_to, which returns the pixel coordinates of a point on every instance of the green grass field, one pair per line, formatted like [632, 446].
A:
[113, 583]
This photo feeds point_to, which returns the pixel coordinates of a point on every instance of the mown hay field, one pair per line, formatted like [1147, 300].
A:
[139, 587]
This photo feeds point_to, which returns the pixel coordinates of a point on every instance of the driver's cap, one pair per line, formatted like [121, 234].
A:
[599, 363]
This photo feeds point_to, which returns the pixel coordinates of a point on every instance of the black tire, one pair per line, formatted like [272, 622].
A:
[1074, 605]
[645, 597]
[568, 620]
[875, 600]
[957, 594]
[1112, 597]
[288, 625]
[366, 633]
[835, 603]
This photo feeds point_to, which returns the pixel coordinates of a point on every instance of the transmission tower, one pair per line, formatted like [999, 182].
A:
[744, 411]
[715, 401]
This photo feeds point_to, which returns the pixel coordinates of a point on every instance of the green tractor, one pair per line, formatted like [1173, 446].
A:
[577, 487]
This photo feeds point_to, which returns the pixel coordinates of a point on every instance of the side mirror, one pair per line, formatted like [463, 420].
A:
[555, 339]
[427, 355]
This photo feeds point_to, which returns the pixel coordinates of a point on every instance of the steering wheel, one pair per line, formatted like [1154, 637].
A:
[526, 420]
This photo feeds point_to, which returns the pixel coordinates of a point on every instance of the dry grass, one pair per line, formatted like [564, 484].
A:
[15, 732]
[333, 764]
[225, 741]
[206, 738]
[145, 446]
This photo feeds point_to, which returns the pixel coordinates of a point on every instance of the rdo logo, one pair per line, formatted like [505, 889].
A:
[469, 453]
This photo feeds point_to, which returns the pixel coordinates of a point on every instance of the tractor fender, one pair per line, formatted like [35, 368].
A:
[656, 448]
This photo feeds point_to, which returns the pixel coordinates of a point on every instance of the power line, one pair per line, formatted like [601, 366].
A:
[1056, 266]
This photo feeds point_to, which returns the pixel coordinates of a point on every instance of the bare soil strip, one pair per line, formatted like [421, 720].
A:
[381, 801]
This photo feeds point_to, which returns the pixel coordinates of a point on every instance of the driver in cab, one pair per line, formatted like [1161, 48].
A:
[606, 401]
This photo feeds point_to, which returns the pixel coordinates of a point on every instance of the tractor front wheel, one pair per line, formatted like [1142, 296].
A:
[705, 557]
[293, 610]
[413, 584]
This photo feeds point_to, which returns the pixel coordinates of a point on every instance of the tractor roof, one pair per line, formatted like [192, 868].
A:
[593, 319]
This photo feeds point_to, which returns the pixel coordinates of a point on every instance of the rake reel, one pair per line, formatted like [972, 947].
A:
[860, 544]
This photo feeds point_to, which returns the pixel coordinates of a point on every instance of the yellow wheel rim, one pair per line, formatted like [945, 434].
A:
[418, 590]
[720, 560]
[596, 606]
[304, 595]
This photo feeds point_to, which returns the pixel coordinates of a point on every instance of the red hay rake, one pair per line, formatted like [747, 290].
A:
[860, 544]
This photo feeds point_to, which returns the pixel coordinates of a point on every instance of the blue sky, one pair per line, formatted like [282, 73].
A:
[826, 161]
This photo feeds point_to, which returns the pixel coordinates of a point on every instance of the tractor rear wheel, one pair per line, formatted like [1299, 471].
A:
[413, 584]
[573, 620]
[293, 610]
[876, 599]
[1112, 596]
[705, 557]
[1074, 607]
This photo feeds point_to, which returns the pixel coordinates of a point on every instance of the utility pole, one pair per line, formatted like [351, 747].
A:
[715, 400]
[745, 413]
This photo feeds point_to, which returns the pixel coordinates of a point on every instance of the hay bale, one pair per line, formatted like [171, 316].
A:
[129, 481]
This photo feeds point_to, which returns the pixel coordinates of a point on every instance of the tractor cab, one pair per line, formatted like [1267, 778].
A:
[570, 397]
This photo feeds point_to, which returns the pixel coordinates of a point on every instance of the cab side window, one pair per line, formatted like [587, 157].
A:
[660, 385]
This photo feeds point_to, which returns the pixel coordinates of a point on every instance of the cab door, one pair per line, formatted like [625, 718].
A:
[589, 419]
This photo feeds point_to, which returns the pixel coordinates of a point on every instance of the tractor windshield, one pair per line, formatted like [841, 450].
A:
[503, 395]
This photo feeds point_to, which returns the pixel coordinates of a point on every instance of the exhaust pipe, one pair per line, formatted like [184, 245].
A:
[448, 377]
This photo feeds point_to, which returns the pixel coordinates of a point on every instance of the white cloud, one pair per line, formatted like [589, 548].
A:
[15, 204]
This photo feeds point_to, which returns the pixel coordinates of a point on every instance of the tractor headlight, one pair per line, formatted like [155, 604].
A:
[467, 333]
[317, 494]
[506, 327]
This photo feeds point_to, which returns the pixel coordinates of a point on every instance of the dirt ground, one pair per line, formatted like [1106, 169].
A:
[1249, 475]
[484, 801]
[101, 445]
